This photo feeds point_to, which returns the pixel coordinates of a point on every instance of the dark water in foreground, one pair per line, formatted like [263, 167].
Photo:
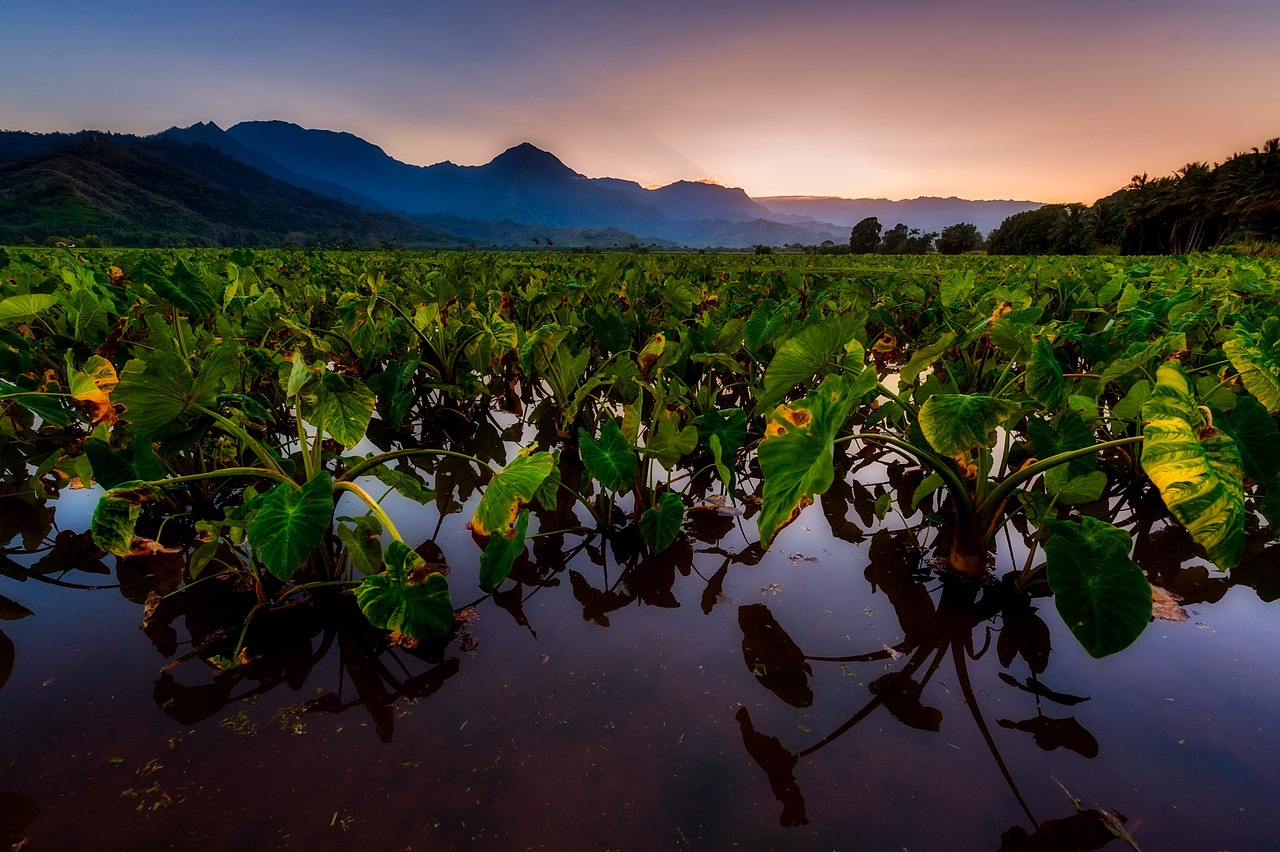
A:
[676, 705]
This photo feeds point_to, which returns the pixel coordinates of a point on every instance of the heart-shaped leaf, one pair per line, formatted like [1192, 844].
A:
[660, 524]
[1100, 592]
[343, 406]
[1256, 357]
[955, 423]
[289, 523]
[611, 461]
[406, 597]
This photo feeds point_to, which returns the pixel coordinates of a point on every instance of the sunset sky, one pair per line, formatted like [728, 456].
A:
[1049, 100]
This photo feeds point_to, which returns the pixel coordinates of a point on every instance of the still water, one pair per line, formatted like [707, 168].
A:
[826, 694]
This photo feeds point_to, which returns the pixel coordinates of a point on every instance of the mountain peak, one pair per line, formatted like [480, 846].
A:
[530, 160]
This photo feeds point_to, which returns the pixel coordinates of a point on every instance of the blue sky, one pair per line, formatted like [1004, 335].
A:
[982, 99]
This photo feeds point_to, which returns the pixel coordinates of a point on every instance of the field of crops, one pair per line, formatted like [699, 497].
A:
[270, 446]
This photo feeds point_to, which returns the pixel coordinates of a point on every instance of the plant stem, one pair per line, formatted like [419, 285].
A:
[377, 510]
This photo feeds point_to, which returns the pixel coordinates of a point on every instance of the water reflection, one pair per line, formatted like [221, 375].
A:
[957, 627]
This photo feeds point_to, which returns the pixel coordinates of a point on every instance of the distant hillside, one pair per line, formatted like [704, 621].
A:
[927, 213]
[272, 181]
[525, 185]
[162, 192]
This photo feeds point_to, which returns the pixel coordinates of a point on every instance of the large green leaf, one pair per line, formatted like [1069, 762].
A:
[724, 432]
[343, 406]
[1100, 592]
[364, 548]
[955, 423]
[797, 454]
[406, 597]
[924, 357]
[501, 552]
[509, 489]
[668, 443]
[1256, 357]
[182, 288]
[660, 524]
[1196, 467]
[159, 393]
[1255, 435]
[814, 351]
[289, 523]
[1043, 378]
[611, 461]
[24, 308]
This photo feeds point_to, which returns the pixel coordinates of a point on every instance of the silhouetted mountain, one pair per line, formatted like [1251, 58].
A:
[523, 184]
[159, 191]
[522, 195]
[208, 133]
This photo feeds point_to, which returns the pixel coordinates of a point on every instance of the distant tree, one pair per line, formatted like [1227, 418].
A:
[865, 236]
[959, 238]
[895, 239]
[903, 240]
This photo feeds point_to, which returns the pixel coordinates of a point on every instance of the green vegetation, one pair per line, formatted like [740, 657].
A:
[240, 406]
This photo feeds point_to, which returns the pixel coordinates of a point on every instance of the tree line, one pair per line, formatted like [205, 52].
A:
[1197, 208]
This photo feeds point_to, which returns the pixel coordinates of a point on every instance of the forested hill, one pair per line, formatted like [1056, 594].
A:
[1199, 207]
[161, 192]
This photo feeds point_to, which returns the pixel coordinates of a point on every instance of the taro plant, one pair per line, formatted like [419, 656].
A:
[277, 541]
[968, 443]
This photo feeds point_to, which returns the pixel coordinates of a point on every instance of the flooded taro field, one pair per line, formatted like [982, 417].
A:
[391, 550]
[829, 693]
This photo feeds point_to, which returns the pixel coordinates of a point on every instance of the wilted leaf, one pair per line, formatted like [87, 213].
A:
[797, 454]
[1165, 605]
[509, 489]
[1196, 467]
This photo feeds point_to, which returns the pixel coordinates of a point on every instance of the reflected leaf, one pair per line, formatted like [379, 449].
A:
[32, 520]
[11, 610]
[512, 602]
[901, 697]
[714, 591]
[1024, 634]
[777, 763]
[1036, 688]
[890, 570]
[1084, 831]
[16, 813]
[188, 705]
[72, 551]
[7, 656]
[773, 657]
[1053, 734]
[595, 603]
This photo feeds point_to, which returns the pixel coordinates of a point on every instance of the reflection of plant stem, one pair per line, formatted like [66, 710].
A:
[962, 675]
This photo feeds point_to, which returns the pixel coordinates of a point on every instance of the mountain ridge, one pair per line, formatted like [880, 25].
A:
[525, 189]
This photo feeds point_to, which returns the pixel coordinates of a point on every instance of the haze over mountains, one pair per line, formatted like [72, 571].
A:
[295, 183]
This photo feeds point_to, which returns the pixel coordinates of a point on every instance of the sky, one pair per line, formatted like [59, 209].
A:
[1044, 100]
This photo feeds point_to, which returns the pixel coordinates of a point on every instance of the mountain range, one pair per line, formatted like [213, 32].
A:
[268, 182]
